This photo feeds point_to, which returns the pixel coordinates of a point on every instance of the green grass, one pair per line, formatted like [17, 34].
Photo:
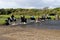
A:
[4, 17]
[52, 17]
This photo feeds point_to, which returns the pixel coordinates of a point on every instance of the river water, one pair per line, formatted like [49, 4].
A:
[48, 24]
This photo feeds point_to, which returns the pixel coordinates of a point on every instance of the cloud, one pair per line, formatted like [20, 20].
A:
[29, 3]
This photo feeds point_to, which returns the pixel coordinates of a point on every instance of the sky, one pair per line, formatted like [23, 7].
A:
[29, 3]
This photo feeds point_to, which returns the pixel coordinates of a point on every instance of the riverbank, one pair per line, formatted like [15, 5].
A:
[23, 33]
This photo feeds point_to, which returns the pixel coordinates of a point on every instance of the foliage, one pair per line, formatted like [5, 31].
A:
[21, 11]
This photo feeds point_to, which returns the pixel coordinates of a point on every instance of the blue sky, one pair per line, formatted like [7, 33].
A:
[29, 3]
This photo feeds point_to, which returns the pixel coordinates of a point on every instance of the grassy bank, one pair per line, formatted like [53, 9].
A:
[4, 17]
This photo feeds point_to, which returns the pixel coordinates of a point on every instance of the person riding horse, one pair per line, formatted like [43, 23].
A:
[9, 20]
[23, 19]
[32, 18]
[12, 18]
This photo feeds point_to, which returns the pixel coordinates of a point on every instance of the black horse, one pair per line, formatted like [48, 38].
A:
[7, 22]
[32, 18]
[23, 19]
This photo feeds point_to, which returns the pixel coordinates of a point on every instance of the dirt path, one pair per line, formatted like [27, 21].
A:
[22, 33]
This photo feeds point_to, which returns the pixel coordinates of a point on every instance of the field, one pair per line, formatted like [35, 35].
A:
[25, 33]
